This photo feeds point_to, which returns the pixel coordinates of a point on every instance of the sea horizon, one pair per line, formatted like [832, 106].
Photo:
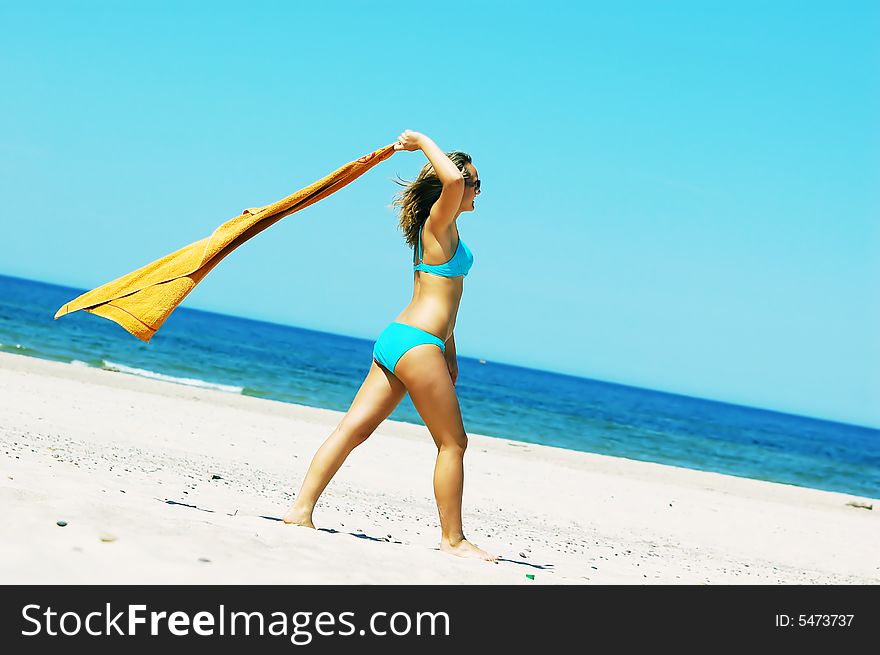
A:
[256, 357]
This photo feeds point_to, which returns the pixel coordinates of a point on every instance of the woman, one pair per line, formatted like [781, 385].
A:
[416, 352]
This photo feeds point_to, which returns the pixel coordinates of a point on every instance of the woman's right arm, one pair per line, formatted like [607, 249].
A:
[443, 166]
[443, 211]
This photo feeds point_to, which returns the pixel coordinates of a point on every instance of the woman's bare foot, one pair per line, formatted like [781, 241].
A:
[465, 548]
[296, 516]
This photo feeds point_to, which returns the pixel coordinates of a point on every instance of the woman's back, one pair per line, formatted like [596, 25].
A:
[437, 288]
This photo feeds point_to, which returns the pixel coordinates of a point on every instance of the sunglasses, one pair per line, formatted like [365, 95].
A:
[476, 184]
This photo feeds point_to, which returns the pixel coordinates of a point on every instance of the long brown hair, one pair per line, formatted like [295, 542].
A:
[418, 196]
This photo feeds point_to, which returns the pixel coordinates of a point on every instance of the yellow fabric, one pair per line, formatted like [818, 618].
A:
[142, 300]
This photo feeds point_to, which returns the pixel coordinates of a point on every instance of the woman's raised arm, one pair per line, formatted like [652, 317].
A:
[443, 166]
[444, 210]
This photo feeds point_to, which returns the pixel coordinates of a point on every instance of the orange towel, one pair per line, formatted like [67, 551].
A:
[142, 300]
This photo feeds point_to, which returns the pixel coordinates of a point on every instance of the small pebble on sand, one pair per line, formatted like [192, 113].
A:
[61, 523]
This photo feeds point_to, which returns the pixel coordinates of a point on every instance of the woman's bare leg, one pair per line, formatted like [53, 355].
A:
[424, 372]
[379, 394]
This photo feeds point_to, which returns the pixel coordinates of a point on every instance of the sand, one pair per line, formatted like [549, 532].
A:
[165, 483]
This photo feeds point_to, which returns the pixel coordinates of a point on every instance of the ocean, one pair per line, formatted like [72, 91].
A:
[319, 369]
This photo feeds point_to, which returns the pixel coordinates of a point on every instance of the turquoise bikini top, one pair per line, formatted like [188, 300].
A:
[460, 263]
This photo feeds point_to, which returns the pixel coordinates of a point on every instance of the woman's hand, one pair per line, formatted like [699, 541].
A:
[452, 364]
[408, 140]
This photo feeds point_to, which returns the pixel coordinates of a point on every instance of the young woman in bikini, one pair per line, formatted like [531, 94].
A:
[416, 352]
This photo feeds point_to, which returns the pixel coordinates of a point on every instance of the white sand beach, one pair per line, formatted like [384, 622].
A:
[164, 483]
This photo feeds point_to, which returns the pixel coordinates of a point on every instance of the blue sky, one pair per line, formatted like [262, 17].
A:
[676, 195]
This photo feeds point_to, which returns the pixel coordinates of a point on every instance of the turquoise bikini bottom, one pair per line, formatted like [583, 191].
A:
[398, 338]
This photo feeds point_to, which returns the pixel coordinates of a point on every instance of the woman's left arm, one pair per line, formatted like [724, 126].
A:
[451, 359]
